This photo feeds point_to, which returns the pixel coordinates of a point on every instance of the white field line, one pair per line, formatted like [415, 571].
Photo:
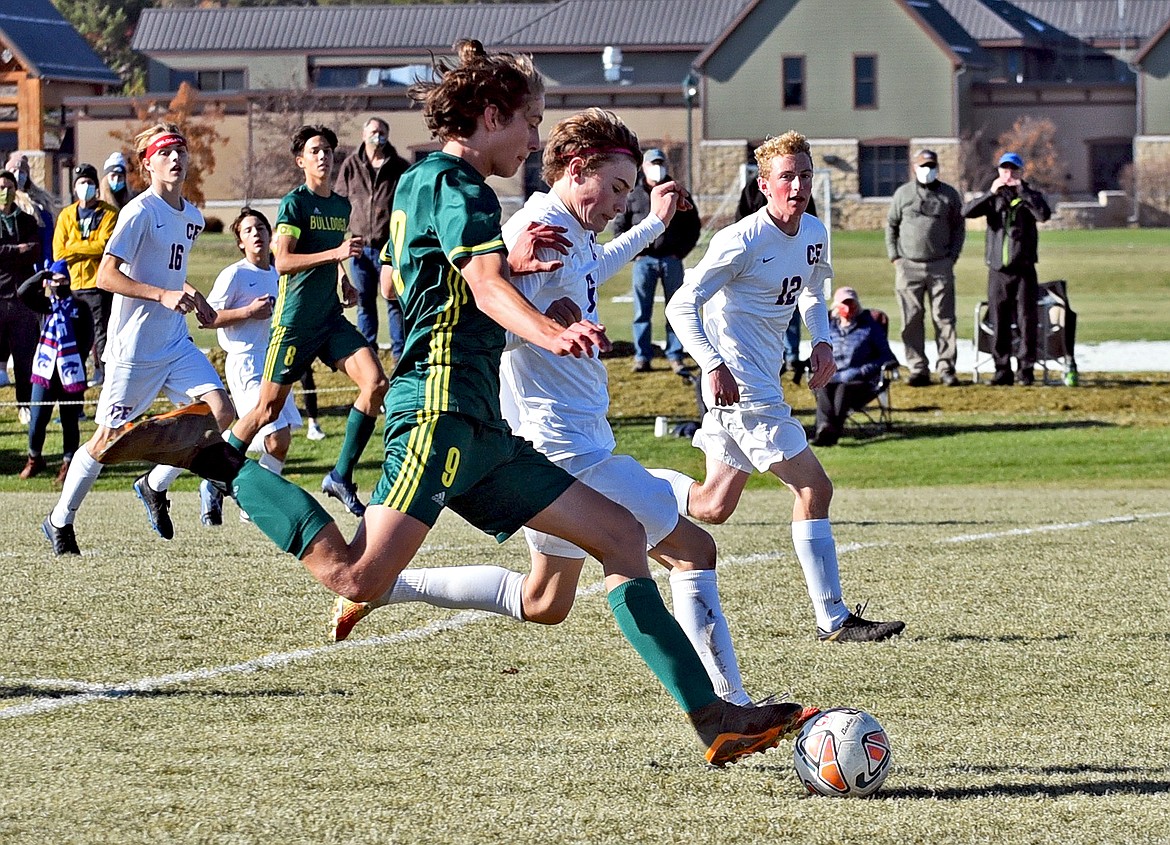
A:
[90, 692]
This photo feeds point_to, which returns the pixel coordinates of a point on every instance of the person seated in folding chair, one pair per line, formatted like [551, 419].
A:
[861, 351]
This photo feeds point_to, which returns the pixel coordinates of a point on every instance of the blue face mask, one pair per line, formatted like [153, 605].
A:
[117, 183]
[86, 191]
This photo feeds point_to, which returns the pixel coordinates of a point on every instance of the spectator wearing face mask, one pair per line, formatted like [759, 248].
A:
[114, 190]
[79, 239]
[661, 261]
[861, 351]
[924, 236]
[36, 201]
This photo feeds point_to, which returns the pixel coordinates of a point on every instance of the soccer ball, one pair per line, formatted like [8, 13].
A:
[842, 752]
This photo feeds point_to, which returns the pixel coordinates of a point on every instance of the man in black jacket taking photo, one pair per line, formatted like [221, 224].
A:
[662, 260]
[1012, 208]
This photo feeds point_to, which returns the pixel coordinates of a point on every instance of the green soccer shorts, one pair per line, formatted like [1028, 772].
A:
[483, 472]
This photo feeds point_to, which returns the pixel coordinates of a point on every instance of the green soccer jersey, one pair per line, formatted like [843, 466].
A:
[444, 211]
[318, 224]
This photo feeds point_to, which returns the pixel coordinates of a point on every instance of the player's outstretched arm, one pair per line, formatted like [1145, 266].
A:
[496, 296]
[287, 261]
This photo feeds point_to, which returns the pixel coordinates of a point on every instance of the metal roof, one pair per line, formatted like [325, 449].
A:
[535, 26]
[978, 20]
[1092, 19]
[937, 15]
[48, 46]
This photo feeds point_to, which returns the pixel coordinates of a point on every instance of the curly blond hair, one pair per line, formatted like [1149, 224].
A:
[594, 135]
[789, 144]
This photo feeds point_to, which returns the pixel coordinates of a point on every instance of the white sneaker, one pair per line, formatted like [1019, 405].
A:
[314, 431]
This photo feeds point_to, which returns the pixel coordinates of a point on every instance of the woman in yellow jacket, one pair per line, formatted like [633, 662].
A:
[83, 229]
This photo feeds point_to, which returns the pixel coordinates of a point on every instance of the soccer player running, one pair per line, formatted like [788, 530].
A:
[311, 248]
[148, 349]
[755, 273]
[243, 296]
[446, 442]
[560, 406]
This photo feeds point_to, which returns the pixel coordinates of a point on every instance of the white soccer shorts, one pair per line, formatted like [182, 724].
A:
[751, 438]
[130, 390]
[244, 384]
[625, 481]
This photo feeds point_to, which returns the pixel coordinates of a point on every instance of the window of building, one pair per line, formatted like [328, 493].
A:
[219, 80]
[793, 82]
[882, 168]
[1107, 163]
[865, 82]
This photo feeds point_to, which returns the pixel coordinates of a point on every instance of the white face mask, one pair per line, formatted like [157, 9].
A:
[925, 174]
[86, 191]
[656, 173]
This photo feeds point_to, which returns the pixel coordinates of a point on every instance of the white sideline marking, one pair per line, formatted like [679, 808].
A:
[91, 692]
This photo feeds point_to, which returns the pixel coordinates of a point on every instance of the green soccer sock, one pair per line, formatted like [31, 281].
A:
[287, 515]
[236, 442]
[656, 636]
[358, 429]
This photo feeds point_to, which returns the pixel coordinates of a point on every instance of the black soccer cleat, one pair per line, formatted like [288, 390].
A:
[63, 539]
[855, 629]
[158, 507]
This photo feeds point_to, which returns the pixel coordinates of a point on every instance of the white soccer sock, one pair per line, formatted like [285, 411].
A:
[271, 463]
[83, 472]
[817, 552]
[162, 477]
[679, 483]
[699, 613]
[491, 588]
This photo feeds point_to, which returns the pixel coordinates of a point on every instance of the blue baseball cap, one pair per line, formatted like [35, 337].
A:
[1012, 159]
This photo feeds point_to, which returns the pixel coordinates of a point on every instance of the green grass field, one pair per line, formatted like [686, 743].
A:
[1117, 279]
[183, 692]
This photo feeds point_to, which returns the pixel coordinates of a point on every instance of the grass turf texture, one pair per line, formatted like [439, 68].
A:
[1025, 704]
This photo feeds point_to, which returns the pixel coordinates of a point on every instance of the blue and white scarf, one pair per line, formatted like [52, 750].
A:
[57, 349]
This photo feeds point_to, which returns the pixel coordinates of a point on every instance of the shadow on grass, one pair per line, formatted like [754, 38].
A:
[70, 691]
[904, 430]
[1086, 786]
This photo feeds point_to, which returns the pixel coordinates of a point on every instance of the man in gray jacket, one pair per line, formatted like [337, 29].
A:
[924, 236]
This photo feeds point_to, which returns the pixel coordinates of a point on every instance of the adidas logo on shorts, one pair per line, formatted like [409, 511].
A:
[440, 498]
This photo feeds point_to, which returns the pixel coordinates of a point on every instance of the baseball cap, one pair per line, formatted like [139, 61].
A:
[85, 171]
[1012, 159]
[842, 294]
[653, 154]
[116, 162]
[926, 157]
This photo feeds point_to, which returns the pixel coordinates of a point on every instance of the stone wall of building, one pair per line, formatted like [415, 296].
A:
[1151, 167]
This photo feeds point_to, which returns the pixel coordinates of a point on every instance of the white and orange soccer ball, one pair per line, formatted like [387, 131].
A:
[842, 752]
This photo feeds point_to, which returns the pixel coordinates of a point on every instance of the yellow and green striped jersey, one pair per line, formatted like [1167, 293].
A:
[318, 223]
[444, 211]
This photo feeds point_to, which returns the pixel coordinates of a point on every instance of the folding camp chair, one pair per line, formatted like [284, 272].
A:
[1055, 335]
[876, 415]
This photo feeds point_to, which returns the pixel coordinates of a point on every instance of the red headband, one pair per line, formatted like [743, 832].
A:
[164, 141]
[588, 151]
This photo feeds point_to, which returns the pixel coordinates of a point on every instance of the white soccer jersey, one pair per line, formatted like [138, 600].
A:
[560, 404]
[747, 286]
[237, 286]
[154, 242]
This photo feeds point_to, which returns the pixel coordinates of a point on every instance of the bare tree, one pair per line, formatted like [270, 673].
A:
[269, 169]
[1035, 140]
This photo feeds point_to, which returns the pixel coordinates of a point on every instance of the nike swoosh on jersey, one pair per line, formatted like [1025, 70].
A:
[769, 258]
